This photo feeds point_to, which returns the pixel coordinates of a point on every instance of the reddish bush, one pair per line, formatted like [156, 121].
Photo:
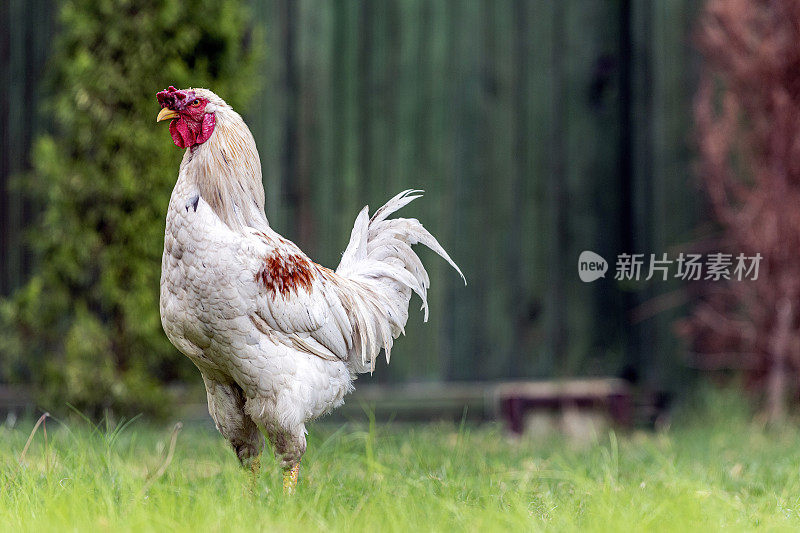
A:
[748, 131]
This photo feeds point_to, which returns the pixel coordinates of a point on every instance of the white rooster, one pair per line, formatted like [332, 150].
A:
[278, 338]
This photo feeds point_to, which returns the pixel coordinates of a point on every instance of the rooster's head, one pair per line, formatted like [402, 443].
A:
[191, 112]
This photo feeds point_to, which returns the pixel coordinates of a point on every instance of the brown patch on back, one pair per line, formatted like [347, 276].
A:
[284, 273]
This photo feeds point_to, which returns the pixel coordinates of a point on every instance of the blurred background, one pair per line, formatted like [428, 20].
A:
[538, 130]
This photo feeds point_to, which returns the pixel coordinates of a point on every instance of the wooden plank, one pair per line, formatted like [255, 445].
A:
[318, 111]
[5, 144]
[25, 44]
[468, 304]
[344, 55]
[535, 243]
[591, 134]
[556, 201]
[267, 112]
[673, 81]
[18, 140]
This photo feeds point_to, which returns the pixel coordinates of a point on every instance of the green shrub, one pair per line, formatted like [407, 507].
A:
[86, 329]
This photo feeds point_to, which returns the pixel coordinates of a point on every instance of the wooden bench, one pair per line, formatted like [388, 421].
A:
[609, 396]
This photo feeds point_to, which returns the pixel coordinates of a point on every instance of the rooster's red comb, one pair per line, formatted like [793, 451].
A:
[173, 98]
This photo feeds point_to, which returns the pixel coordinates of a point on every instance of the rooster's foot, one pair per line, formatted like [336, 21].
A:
[290, 477]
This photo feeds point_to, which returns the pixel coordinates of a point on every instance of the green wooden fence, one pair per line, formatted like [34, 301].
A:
[538, 129]
[26, 29]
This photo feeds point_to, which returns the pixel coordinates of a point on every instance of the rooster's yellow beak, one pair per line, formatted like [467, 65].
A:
[166, 114]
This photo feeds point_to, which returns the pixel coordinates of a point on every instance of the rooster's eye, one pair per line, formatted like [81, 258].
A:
[195, 103]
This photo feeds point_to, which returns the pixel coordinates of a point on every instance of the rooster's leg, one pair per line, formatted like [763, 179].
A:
[255, 466]
[290, 477]
[289, 446]
[255, 470]
[288, 440]
[226, 405]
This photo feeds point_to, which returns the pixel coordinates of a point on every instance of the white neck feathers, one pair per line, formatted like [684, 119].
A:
[226, 170]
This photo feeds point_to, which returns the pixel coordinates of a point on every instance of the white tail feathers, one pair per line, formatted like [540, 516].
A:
[384, 270]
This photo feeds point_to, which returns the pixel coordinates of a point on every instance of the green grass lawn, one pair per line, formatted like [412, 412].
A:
[712, 470]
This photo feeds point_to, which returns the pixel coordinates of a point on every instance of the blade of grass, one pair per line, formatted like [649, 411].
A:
[163, 468]
[30, 437]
